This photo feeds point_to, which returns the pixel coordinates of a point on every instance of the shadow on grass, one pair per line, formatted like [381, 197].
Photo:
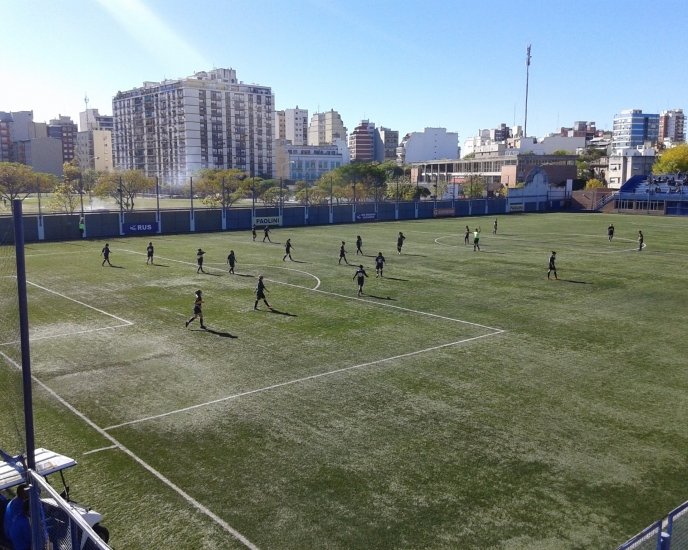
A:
[394, 279]
[574, 281]
[116, 266]
[219, 333]
[244, 275]
[380, 297]
[278, 312]
[492, 252]
[416, 255]
[210, 273]
[160, 265]
[299, 262]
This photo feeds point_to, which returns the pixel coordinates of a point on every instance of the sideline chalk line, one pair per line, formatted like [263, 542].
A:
[188, 498]
[300, 380]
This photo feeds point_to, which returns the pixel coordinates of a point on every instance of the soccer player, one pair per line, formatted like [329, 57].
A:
[476, 239]
[361, 275]
[641, 240]
[494, 227]
[465, 237]
[359, 244]
[266, 233]
[82, 226]
[253, 231]
[287, 250]
[199, 261]
[610, 232]
[342, 254]
[260, 293]
[198, 309]
[552, 266]
[379, 264]
[105, 253]
[231, 260]
[400, 241]
[149, 253]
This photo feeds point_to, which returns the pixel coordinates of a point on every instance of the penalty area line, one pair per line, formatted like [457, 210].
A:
[301, 380]
[188, 498]
[63, 334]
[80, 303]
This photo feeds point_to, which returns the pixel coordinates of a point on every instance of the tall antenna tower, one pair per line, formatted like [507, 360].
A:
[525, 121]
[86, 103]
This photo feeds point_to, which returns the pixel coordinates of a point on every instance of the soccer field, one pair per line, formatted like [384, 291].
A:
[464, 401]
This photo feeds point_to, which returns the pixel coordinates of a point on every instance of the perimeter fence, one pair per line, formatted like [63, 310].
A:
[103, 224]
[668, 534]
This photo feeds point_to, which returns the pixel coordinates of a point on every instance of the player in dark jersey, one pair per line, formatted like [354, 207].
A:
[342, 254]
[199, 261]
[359, 244]
[105, 253]
[260, 293]
[361, 275]
[610, 232]
[465, 237]
[231, 260]
[552, 266]
[494, 227]
[287, 250]
[379, 264]
[266, 233]
[197, 310]
[149, 254]
[641, 240]
[253, 231]
[400, 241]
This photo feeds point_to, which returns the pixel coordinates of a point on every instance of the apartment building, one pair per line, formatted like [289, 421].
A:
[326, 128]
[633, 128]
[671, 126]
[64, 129]
[174, 128]
[292, 125]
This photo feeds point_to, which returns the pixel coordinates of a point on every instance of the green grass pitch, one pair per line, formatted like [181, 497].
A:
[464, 401]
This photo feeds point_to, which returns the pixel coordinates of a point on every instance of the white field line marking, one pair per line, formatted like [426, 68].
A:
[101, 449]
[124, 322]
[200, 507]
[224, 270]
[381, 304]
[81, 303]
[300, 380]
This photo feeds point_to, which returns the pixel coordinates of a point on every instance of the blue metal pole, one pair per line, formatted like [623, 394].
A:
[36, 531]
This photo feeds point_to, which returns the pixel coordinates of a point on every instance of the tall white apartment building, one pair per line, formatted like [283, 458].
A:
[671, 126]
[430, 144]
[326, 128]
[292, 125]
[173, 129]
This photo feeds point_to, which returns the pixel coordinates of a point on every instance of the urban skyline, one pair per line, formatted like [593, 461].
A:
[465, 73]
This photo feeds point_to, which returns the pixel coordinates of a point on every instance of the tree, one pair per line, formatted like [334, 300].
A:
[220, 187]
[312, 195]
[672, 161]
[594, 183]
[65, 198]
[474, 186]
[18, 181]
[123, 187]
[272, 196]
[65, 194]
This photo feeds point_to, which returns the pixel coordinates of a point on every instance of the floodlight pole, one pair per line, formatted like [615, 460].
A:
[525, 121]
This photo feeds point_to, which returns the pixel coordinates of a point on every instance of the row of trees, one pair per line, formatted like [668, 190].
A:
[222, 188]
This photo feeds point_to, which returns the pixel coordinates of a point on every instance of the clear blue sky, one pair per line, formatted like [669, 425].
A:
[402, 64]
